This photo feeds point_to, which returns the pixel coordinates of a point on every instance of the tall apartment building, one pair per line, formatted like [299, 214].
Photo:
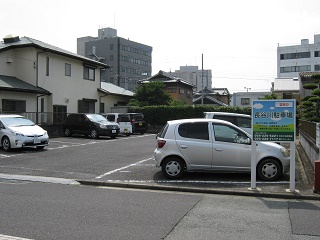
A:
[298, 58]
[200, 78]
[129, 61]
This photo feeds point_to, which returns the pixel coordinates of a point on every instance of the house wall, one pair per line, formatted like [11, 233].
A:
[111, 101]
[31, 99]
[237, 98]
[67, 89]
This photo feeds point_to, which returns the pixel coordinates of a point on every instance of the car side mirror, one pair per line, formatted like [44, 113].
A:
[248, 141]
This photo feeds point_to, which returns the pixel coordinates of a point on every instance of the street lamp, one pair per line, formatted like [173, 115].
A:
[247, 88]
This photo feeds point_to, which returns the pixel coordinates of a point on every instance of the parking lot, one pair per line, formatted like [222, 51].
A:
[126, 159]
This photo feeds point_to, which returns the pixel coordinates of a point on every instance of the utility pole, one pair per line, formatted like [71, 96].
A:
[202, 80]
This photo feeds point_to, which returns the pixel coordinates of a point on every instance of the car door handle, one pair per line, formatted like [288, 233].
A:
[219, 149]
[183, 146]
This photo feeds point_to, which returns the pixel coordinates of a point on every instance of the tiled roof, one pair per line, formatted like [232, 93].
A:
[9, 83]
[30, 42]
[166, 78]
[110, 88]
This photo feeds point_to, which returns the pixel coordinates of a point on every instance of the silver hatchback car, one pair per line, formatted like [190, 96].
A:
[18, 132]
[215, 145]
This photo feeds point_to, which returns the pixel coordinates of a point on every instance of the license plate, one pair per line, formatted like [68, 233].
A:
[36, 140]
[125, 130]
[114, 131]
[140, 124]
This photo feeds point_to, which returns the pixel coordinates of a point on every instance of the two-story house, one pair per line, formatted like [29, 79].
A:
[178, 88]
[47, 82]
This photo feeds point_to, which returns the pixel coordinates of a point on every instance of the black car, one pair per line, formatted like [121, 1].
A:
[138, 122]
[89, 124]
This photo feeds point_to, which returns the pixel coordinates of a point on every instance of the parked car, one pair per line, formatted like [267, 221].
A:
[123, 119]
[18, 132]
[138, 122]
[89, 124]
[241, 120]
[217, 146]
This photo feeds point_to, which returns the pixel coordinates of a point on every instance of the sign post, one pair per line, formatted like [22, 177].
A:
[274, 121]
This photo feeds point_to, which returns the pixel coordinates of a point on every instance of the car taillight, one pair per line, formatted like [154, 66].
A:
[117, 120]
[133, 120]
[161, 143]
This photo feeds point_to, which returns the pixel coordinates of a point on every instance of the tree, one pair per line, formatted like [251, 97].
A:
[272, 96]
[150, 94]
[311, 104]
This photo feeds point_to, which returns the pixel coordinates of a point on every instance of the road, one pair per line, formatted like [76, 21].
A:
[58, 211]
[41, 198]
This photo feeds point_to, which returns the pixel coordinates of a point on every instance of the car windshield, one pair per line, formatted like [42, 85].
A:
[17, 121]
[96, 118]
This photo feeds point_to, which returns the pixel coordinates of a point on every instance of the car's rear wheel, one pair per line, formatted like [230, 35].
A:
[173, 168]
[269, 169]
[94, 133]
[6, 144]
[67, 132]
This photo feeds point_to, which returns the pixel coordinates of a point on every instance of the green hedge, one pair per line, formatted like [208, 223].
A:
[159, 115]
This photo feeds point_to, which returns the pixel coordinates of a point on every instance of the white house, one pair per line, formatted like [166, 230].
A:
[47, 82]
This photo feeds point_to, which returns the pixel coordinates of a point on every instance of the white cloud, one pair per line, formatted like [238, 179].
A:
[257, 106]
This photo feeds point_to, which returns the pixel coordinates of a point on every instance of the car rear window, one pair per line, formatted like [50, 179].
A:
[163, 131]
[137, 117]
[124, 118]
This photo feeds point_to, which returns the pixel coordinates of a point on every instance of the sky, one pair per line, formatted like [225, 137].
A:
[237, 39]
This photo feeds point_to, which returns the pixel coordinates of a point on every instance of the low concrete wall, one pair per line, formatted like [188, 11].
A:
[309, 147]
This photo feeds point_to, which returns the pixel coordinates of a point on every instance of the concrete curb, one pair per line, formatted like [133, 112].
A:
[251, 193]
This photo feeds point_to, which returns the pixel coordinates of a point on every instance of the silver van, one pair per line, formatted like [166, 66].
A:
[243, 121]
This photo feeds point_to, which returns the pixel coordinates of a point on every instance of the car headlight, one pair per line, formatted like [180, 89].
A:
[17, 134]
[103, 126]
[285, 152]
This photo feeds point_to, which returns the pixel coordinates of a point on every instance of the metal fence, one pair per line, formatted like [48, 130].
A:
[308, 128]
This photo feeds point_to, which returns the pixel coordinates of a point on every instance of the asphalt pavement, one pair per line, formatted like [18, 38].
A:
[304, 184]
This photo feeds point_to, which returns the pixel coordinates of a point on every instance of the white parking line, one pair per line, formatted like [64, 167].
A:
[6, 237]
[125, 167]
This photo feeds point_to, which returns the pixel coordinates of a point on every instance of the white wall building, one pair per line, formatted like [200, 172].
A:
[49, 82]
[200, 78]
[298, 58]
[244, 99]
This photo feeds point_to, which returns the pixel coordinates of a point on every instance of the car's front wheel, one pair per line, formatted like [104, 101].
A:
[6, 144]
[269, 170]
[94, 133]
[173, 168]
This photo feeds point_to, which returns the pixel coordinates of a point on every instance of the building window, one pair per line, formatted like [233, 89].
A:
[171, 90]
[111, 57]
[89, 73]
[287, 96]
[9, 105]
[317, 54]
[111, 46]
[101, 107]
[47, 66]
[181, 91]
[294, 55]
[317, 67]
[245, 101]
[68, 69]
[59, 113]
[295, 69]
[86, 105]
